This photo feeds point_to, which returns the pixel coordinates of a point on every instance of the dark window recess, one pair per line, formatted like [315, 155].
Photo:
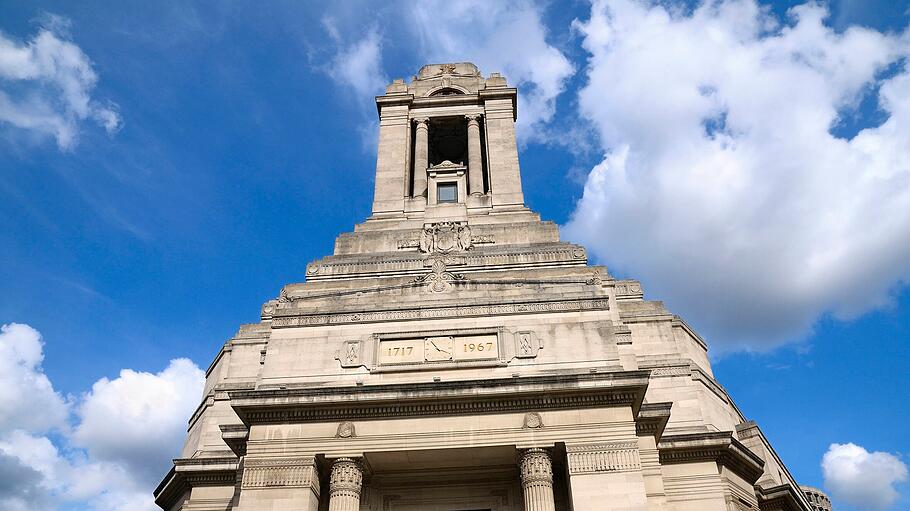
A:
[448, 140]
[447, 192]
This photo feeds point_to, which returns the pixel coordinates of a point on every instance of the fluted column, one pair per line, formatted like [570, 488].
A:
[537, 480]
[421, 156]
[345, 483]
[475, 162]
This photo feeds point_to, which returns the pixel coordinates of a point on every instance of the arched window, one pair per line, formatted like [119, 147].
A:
[446, 91]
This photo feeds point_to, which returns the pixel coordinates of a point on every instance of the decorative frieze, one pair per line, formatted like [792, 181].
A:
[606, 457]
[664, 372]
[622, 335]
[442, 312]
[295, 472]
[333, 267]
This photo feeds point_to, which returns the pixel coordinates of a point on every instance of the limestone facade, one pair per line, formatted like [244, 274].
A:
[454, 354]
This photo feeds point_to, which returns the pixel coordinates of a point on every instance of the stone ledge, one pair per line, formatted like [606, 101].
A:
[235, 436]
[719, 447]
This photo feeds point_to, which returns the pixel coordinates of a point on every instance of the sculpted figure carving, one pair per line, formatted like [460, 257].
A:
[444, 237]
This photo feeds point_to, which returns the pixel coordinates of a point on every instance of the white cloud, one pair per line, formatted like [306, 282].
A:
[722, 187]
[46, 85]
[130, 418]
[499, 37]
[27, 398]
[861, 478]
[359, 65]
[125, 433]
[505, 37]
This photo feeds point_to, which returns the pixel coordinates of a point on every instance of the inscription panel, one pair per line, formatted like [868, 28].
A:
[439, 349]
[477, 347]
[404, 351]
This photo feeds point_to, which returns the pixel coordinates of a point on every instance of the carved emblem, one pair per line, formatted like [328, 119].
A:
[346, 430]
[349, 355]
[596, 279]
[447, 69]
[440, 278]
[445, 237]
[526, 345]
[533, 421]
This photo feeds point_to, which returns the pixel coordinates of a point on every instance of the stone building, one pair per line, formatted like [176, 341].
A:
[453, 354]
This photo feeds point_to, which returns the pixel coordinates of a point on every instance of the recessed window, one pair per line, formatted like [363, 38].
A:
[447, 192]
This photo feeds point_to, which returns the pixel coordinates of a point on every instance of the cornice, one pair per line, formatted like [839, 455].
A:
[235, 436]
[780, 498]
[189, 473]
[393, 100]
[494, 93]
[468, 397]
[719, 447]
[285, 318]
[652, 419]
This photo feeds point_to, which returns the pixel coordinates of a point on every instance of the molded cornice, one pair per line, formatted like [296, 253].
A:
[527, 393]
[719, 447]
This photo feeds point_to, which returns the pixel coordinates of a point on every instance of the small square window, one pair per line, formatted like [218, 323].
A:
[447, 192]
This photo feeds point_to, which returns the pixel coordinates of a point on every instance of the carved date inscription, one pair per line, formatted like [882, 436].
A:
[439, 349]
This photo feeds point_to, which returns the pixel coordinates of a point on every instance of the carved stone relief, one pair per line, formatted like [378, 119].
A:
[346, 430]
[445, 237]
[440, 278]
[298, 472]
[611, 457]
[533, 421]
[350, 354]
[527, 344]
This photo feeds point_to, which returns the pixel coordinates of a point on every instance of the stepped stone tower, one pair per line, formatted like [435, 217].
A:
[453, 354]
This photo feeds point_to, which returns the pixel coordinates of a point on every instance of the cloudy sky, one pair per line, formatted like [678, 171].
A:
[167, 167]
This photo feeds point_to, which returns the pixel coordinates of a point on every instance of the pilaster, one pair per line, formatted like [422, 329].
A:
[280, 483]
[392, 156]
[606, 477]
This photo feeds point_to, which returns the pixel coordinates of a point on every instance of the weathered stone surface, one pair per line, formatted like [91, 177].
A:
[457, 355]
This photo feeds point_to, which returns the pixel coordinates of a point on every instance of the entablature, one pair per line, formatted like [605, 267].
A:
[459, 397]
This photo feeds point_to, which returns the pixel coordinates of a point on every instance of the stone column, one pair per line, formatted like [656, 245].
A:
[537, 480]
[475, 162]
[344, 485]
[421, 156]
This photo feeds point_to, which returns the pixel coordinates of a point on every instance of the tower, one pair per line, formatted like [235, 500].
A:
[454, 354]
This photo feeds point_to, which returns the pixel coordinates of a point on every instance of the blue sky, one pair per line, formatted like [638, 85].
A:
[222, 146]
